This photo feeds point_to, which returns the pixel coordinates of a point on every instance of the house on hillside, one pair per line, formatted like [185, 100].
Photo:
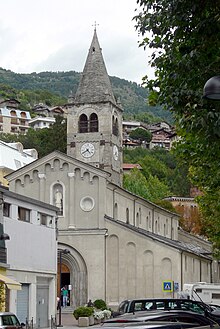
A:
[13, 120]
[41, 122]
[162, 138]
[188, 209]
[43, 110]
[160, 125]
[127, 167]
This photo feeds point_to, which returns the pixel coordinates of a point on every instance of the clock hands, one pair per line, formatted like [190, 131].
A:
[86, 150]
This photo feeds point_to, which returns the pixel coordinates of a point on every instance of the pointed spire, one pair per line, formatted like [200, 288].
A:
[95, 84]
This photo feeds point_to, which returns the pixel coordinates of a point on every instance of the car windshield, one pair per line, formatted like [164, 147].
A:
[9, 320]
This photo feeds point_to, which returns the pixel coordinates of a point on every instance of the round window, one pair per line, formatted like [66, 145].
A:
[87, 203]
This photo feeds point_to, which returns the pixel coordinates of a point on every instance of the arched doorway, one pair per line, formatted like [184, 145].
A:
[73, 275]
[63, 281]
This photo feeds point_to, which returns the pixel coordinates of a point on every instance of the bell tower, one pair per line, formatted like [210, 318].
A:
[94, 122]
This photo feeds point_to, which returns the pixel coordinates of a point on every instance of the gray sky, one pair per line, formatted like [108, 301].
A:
[52, 35]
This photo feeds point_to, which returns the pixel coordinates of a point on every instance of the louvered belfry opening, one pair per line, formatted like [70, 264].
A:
[83, 123]
[93, 123]
[115, 126]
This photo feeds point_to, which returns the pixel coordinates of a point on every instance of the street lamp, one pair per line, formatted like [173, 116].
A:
[212, 88]
[60, 252]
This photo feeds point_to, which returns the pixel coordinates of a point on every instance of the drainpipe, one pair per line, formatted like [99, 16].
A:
[181, 271]
[171, 228]
[200, 271]
[105, 274]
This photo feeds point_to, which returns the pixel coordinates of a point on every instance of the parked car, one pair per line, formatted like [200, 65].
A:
[192, 318]
[9, 320]
[155, 325]
[215, 307]
[148, 304]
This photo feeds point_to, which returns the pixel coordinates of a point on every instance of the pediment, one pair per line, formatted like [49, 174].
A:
[50, 160]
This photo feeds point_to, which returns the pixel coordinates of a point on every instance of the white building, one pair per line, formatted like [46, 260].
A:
[12, 157]
[41, 122]
[31, 256]
[13, 120]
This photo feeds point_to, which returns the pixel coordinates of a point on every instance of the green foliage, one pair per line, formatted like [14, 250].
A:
[141, 134]
[166, 205]
[44, 140]
[210, 207]
[29, 98]
[162, 164]
[2, 297]
[151, 189]
[100, 304]
[83, 311]
[185, 38]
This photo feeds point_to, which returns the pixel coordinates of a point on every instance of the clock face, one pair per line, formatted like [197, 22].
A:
[87, 150]
[115, 152]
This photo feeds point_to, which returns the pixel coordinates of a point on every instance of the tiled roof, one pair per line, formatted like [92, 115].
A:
[94, 84]
[180, 245]
[131, 166]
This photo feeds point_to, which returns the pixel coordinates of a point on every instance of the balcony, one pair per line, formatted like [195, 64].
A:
[14, 121]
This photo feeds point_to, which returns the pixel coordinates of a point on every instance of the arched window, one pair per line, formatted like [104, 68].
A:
[137, 219]
[23, 115]
[112, 124]
[127, 215]
[13, 113]
[116, 211]
[115, 126]
[156, 227]
[83, 123]
[93, 123]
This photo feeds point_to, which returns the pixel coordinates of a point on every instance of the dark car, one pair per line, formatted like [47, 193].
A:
[154, 325]
[9, 320]
[149, 304]
[192, 318]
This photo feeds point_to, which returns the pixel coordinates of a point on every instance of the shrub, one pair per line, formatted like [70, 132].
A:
[100, 304]
[83, 311]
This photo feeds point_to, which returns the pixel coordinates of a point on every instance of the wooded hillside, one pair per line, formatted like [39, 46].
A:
[53, 88]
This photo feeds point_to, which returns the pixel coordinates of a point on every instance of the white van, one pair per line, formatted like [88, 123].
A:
[201, 291]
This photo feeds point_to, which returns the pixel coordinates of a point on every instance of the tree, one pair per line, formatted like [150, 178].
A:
[44, 140]
[185, 38]
[151, 189]
[141, 134]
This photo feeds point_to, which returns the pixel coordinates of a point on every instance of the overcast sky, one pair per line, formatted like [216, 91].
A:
[52, 35]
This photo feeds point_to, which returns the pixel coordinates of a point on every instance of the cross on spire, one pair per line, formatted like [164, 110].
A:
[95, 24]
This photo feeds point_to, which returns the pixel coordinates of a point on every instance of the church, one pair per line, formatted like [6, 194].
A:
[113, 245]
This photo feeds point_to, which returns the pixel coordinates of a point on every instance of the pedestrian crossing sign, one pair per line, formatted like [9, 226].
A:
[167, 286]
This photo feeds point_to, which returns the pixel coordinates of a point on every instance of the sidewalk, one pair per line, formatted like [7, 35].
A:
[68, 321]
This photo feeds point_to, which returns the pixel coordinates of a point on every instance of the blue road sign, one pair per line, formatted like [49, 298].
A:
[167, 286]
[176, 286]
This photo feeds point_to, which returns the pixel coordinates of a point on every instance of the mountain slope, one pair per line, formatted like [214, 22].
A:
[132, 96]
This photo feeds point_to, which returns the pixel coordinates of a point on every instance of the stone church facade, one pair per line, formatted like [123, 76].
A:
[120, 245]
